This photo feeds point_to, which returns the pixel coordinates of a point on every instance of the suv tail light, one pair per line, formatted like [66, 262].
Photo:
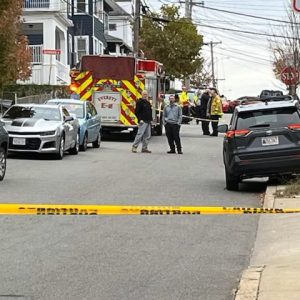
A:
[294, 127]
[238, 133]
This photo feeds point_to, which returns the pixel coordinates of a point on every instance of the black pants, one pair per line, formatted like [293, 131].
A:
[214, 125]
[172, 133]
[185, 112]
[205, 127]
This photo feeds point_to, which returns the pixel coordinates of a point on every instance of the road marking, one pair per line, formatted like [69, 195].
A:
[73, 209]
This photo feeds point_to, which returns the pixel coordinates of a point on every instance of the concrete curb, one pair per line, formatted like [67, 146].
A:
[249, 284]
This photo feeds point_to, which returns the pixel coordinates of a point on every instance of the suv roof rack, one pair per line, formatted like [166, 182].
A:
[268, 99]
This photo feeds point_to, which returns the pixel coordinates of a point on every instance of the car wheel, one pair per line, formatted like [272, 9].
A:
[232, 182]
[75, 149]
[83, 147]
[61, 148]
[96, 143]
[2, 163]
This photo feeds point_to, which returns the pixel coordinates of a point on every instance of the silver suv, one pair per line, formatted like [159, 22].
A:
[263, 139]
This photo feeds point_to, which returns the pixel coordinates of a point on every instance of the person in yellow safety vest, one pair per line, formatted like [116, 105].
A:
[214, 110]
[184, 102]
[195, 110]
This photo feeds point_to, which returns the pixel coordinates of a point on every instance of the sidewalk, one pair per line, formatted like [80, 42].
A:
[274, 272]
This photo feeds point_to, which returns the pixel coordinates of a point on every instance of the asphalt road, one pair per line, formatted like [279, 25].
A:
[126, 257]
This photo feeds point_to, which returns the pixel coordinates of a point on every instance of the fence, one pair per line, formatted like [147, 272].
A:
[36, 99]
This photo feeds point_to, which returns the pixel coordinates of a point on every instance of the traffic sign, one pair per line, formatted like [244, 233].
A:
[51, 51]
[289, 76]
[296, 5]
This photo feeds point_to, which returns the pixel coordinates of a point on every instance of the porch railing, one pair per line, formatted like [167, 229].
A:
[37, 55]
[44, 4]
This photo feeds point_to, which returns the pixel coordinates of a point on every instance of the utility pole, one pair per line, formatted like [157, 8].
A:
[136, 27]
[189, 7]
[211, 44]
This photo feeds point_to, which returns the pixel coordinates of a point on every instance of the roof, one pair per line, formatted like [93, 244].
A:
[113, 39]
[117, 10]
[261, 105]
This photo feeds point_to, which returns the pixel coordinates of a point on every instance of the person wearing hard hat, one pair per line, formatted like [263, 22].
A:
[184, 102]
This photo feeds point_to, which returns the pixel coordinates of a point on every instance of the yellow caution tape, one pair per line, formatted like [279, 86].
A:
[60, 209]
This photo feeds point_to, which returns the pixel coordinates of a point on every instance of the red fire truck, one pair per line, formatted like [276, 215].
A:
[114, 83]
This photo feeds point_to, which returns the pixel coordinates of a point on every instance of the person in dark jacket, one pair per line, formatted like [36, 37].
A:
[143, 112]
[205, 98]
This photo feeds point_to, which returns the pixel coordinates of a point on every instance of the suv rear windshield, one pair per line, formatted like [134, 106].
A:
[271, 118]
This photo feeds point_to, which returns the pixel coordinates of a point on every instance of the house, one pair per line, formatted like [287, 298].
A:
[46, 24]
[60, 32]
[90, 19]
[120, 35]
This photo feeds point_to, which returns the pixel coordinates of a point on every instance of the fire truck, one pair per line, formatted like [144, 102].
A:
[114, 84]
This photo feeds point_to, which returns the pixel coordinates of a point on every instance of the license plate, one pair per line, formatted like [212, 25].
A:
[270, 141]
[19, 141]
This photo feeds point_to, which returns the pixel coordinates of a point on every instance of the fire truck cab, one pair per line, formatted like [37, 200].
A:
[114, 84]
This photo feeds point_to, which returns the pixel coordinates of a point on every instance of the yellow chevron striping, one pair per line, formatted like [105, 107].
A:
[139, 83]
[132, 89]
[84, 85]
[124, 120]
[130, 114]
[81, 75]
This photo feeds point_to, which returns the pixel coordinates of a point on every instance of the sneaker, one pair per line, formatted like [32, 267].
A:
[146, 151]
[171, 151]
[179, 152]
[134, 150]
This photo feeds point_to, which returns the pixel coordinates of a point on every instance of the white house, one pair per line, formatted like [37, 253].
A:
[120, 34]
[46, 24]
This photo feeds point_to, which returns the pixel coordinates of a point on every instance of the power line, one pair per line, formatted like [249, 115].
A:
[247, 15]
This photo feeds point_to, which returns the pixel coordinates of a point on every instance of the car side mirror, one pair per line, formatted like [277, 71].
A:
[69, 118]
[223, 128]
[88, 116]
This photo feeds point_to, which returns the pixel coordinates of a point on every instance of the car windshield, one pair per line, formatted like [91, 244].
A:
[46, 113]
[271, 118]
[73, 108]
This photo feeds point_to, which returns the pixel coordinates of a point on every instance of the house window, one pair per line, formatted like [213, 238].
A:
[81, 46]
[98, 8]
[112, 27]
[81, 6]
[98, 47]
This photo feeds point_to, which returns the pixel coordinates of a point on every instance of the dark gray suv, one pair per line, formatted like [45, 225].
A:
[3, 149]
[263, 139]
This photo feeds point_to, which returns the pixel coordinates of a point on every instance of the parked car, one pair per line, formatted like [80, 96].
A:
[89, 120]
[42, 129]
[263, 139]
[238, 101]
[3, 150]
[225, 104]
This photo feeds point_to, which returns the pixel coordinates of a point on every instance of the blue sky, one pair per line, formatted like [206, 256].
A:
[243, 60]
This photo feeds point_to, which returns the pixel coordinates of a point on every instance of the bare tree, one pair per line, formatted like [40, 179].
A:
[286, 50]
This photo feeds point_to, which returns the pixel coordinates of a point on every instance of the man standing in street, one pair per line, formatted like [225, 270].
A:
[143, 112]
[204, 100]
[214, 110]
[184, 102]
[172, 121]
